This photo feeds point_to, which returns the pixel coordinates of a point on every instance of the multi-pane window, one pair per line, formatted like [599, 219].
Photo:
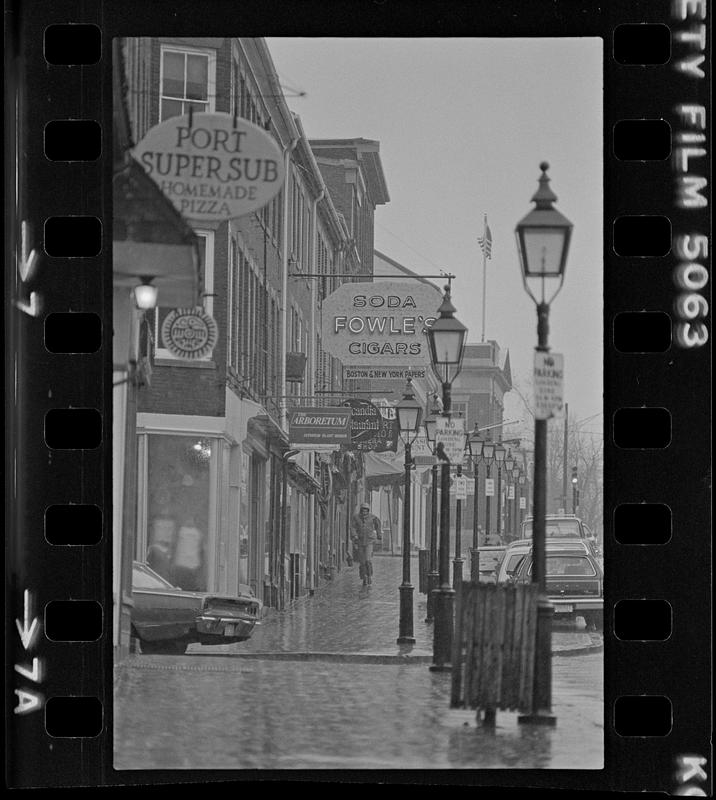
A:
[270, 216]
[296, 341]
[324, 267]
[206, 261]
[244, 102]
[187, 82]
[300, 224]
[253, 324]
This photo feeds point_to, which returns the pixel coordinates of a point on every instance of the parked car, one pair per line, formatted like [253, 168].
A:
[166, 619]
[518, 549]
[558, 526]
[490, 557]
[575, 583]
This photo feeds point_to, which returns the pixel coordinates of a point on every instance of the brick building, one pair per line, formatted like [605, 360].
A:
[213, 449]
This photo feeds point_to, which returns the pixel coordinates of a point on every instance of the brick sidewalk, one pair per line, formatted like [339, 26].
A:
[344, 618]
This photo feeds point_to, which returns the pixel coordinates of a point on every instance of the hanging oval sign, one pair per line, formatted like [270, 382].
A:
[212, 166]
[189, 333]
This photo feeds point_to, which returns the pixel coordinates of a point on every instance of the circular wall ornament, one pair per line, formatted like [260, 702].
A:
[189, 333]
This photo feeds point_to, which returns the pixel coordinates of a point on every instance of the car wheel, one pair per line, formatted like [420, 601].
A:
[594, 621]
[172, 647]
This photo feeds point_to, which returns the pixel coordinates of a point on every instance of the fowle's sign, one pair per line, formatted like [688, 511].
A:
[384, 373]
[319, 428]
[212, 166]
[380, 324]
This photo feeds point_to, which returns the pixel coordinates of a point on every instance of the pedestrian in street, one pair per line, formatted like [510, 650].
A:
[366, 530]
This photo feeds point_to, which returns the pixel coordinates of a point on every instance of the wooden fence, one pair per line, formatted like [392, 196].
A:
[494, 647]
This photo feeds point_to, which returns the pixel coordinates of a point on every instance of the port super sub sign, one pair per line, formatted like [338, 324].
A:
[212, 166]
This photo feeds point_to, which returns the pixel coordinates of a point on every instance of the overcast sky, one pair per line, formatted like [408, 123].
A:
[463, 125]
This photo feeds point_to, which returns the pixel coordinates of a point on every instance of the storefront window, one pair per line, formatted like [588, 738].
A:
[179, 470]
[244, 521]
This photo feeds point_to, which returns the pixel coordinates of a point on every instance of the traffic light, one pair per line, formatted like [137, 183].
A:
[574, 475]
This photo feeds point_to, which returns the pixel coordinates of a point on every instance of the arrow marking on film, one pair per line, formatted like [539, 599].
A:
[27, 629]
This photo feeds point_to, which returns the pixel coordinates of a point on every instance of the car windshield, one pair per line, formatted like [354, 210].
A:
[556, 529]
[568, 565]
[144, 578]
[513, 561]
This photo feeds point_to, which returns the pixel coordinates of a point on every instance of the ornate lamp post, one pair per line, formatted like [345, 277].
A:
[475, 444]
[488, 455]
[543, 237]
[408, 412]
[516, 473]
[522, 480]
[431, 423]
[446, 337]
[575, 490]
[509, 465]
[499, 459]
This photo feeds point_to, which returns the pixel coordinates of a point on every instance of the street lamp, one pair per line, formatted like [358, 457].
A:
[446, 337]
[509, 465]
[408, 412]
[499, 459]
[575, 490]
[458, 561]
[543, 237]
[431, 424]
[145, 293]
[475, 444]
[516, 474]
[488, 454]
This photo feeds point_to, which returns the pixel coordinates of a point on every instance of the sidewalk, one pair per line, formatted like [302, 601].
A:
[323, 685]
[346, 621]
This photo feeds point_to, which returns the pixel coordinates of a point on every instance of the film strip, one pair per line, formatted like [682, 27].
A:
[657, 542]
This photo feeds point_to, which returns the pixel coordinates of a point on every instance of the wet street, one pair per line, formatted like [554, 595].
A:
[324, 685]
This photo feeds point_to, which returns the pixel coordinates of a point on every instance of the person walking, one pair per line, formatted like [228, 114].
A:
[365, 531]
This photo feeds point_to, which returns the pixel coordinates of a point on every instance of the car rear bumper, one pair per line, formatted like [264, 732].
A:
[566, 605]
[240, 627]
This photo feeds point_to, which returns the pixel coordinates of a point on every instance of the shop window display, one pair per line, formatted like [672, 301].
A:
[179, 471]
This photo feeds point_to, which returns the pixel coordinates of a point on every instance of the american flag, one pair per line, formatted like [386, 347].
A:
[485, 241]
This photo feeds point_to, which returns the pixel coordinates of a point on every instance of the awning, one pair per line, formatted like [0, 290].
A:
[264, 427]
[150, 238]
[381, 471]
[302, 479]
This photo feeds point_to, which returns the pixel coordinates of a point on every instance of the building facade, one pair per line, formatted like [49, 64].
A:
[216, 478]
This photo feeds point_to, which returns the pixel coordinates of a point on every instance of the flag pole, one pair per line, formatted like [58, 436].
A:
[484, 274]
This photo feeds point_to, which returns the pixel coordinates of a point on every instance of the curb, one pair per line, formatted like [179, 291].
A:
[342, 658]
[596, 646]
[419, 657]
[338, 658]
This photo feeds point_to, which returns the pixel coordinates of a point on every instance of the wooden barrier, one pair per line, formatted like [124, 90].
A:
[423, 569]
[494, 647]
